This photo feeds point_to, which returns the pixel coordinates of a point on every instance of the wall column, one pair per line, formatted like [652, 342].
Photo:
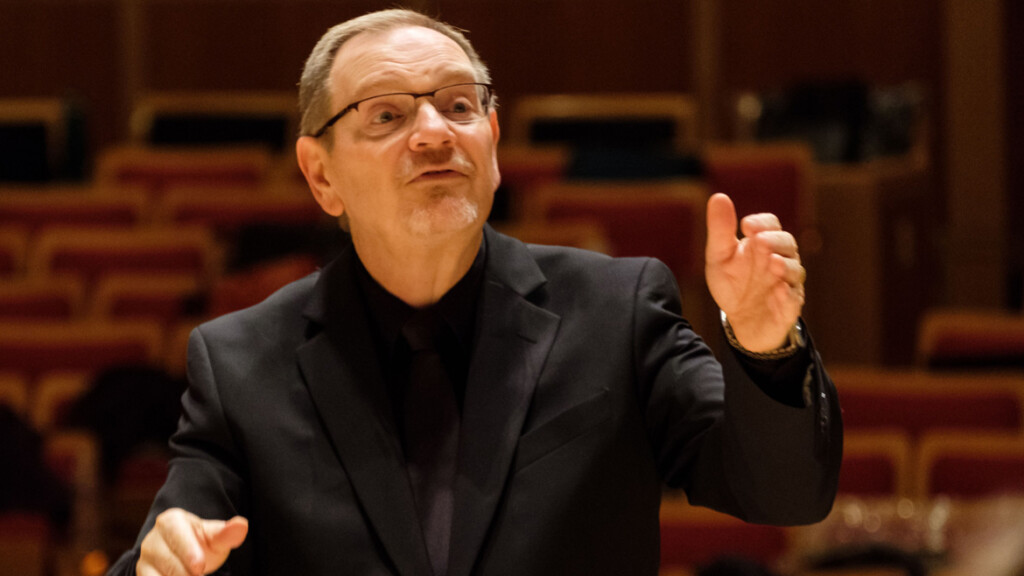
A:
[975, 153]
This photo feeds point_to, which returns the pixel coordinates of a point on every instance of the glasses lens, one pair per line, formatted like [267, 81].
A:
[460, 104]
[385, 114]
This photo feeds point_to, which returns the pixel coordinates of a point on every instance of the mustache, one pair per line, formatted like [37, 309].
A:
[413, 165]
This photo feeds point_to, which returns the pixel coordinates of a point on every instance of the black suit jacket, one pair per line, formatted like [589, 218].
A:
[586, 392]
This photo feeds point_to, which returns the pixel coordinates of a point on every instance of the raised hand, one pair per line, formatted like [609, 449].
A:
[182, 544]
[758, 280]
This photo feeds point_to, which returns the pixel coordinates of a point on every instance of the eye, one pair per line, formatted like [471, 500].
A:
[459, 109]
[383, 117]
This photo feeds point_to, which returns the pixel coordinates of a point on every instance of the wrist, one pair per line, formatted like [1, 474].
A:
[794, 340]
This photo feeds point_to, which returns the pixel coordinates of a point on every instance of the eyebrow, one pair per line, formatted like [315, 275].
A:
[389, 85]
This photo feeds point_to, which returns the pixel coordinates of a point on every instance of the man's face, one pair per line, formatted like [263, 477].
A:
[432, 179]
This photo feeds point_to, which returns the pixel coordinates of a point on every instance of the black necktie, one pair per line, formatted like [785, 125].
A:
[431, 435]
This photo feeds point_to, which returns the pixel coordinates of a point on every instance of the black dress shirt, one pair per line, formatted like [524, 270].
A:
[387, 314]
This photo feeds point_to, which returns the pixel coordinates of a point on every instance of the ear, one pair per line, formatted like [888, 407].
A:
[312, 157]
[495, 129]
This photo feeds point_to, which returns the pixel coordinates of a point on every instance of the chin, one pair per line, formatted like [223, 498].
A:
[447, 215]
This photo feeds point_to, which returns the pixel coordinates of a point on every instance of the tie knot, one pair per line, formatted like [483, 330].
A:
[423, 330]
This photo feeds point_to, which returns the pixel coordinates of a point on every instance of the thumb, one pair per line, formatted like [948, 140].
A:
[721, 225]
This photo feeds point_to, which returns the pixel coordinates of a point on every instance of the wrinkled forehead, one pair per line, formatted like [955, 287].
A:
[402, 59]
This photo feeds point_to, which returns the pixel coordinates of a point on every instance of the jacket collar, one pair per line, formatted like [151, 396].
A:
[345, 381]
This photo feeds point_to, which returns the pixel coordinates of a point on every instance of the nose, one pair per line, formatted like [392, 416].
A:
[430, 129]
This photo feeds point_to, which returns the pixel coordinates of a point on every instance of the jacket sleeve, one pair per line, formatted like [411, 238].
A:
[206, 474]
[716, 434]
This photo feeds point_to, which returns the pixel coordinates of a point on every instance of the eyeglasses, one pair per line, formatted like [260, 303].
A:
[387, 113]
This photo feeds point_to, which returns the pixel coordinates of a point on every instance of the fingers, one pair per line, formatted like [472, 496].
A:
[222, 537]
[158, 559]
[182, 544]
[721, 227]
[788, 270]
[753, 224]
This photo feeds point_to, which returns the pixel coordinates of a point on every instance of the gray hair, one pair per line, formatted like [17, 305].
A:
[315, 88]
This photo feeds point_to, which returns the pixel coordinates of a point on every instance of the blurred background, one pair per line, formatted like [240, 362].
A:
[147, 182]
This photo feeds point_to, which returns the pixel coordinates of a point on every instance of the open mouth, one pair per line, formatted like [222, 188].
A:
[438, 173]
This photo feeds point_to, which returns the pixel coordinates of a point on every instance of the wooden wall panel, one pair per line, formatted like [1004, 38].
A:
[1015, 147]
[236, 44]
[50, 48]
[770, 44]
[531, 45]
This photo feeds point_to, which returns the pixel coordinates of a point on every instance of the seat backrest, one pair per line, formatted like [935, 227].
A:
[54, 297]
[776, 178]
[655, 120]
[13, 248]
[31, 348]
[583, 233]
[918, 402]
[167, 298]
[268, 119]
[37, 209]
[663, 219]
[156, 169]
[876, 464]
[971, 465]
[228, 212]
[90, 253]
[971, 339]
[692, 536]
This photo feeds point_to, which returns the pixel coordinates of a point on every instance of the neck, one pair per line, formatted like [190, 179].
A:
[419, 274]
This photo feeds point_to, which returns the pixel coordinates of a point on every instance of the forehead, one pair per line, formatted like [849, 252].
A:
[406, 58]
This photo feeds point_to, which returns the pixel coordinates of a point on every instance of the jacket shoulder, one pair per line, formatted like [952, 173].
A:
[281, 310]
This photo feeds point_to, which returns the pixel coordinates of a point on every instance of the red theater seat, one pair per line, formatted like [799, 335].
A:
[13, 246]
[25, 541]
[876, 464]
[90, 253]
[971, 466]
[156, 169]
[662, 219]
[917, 402]
[971, 339]
[227, 212]
[37, 209]
[776, 178]
[57, 298]
[34, 347]
[167, 298]
[691, 536]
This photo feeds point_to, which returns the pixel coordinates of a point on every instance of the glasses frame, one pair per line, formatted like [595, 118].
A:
[489, 95]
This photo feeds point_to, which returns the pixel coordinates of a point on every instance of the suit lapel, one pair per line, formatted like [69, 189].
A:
[340, 367]
[512, 342]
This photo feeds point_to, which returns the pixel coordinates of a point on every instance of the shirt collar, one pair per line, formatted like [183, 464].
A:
[457, 307]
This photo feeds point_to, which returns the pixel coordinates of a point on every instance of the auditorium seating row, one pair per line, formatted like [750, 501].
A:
[898, 422]
[217, 190]
[962, 439]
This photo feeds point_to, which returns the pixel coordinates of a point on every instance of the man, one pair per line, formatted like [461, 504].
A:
[571, 389]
